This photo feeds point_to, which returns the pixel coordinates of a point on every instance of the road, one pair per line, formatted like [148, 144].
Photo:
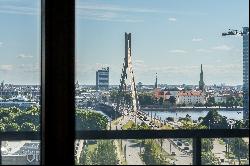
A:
[133, 151]
[219, 151]
[181, 158]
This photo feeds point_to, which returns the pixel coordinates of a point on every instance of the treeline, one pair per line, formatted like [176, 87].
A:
[90, 120]
[152, 154]
[14, 119]
[104, 153]
[230, 102]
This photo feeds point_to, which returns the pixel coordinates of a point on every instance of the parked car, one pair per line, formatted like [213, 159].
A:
[179, 143]
[186, 148]
[186, 144]
[173, 153]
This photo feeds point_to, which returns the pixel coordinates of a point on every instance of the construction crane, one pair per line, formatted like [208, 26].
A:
[234, 32]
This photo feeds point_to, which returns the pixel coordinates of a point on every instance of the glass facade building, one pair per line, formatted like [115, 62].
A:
[245, 73]
[102, 79]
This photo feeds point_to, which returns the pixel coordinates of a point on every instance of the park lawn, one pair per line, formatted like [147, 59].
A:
[115, 122]
[128, 125]
[91, 148]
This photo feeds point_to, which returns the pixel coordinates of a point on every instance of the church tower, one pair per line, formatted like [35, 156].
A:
[156, 81]
[201, 82]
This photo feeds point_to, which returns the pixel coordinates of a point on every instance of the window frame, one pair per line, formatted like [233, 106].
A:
[57, 132]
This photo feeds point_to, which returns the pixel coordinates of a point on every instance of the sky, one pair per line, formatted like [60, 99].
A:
[169, 37]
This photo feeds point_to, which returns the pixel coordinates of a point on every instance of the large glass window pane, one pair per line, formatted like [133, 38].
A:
[20, 79]
[225, 151]
[162, 64]
[134, 152]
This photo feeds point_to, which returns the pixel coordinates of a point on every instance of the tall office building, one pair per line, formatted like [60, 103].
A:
[102, 79]
[245, 73]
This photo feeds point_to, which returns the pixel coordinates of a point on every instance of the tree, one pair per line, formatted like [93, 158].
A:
[160, 101]
[145, 99]
[14, 119]
[105, 153]
[170, 119]
[207, 145]
[200, 119]
[84, 158]
[239, 147]
[12, 127]
[210, 102]
[27, 126]
[214, 120]
[208, 158]
[152, 155]
[90, 120]
[246, 123]
[238, 124]
[172, 100]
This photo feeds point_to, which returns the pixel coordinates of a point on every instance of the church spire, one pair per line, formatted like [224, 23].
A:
[201, 82]
[156, 81]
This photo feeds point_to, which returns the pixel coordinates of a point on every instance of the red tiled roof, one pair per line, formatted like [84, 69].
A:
[189, 93]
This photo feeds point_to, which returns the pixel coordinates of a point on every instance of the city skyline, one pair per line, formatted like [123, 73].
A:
[170, 37]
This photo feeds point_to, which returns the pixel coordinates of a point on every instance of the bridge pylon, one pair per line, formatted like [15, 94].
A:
[127, 65]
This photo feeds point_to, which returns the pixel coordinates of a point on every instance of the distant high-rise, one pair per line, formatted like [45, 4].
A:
[245, 73]
[102, 79]
[201, 82]
[2, 85]
[156, 81]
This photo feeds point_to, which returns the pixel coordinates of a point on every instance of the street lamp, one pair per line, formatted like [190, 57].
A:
[209, 124]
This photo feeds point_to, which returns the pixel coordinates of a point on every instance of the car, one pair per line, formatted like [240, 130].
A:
[173, 153]
[186, 148]
[179, 143]
[186, 144]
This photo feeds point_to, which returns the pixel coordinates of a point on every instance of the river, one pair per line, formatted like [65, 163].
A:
[237, 115]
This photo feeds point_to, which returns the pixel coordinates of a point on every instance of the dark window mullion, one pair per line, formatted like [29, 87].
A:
[58, 52]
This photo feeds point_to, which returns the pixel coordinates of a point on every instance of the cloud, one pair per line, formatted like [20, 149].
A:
[110, 16]
[203, 50]
[1, 44]
[19, 9]
[172, 19]
[114, 8]
[139, 61]
[24, 56]
[30, 68]
[139, 64]
[5, 68]
[222, 48]
[196, 39]
[178, 51]
[116, 13]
